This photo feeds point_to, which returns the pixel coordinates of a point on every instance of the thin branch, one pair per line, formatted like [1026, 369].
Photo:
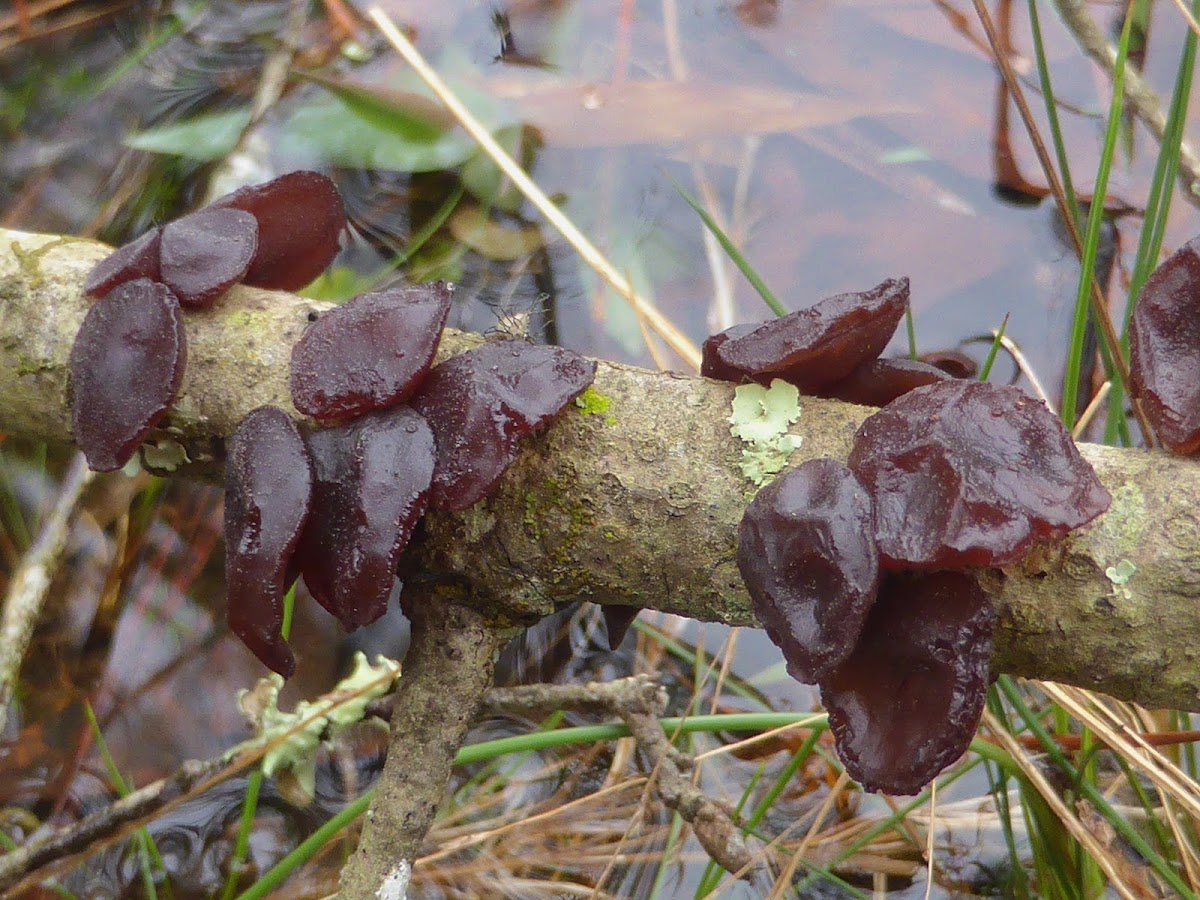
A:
[27, 589]
[446, 672]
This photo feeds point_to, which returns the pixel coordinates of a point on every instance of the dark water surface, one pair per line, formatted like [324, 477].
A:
[839, 144]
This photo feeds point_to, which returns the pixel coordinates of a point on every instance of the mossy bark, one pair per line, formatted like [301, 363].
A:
[638, 504]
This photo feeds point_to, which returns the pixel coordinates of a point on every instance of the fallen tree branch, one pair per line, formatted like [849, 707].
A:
[27, 590]
[639, 504]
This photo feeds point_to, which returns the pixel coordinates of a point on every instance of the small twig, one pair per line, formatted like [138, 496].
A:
[446, 672]
[1140, 96]
[27, 590]
[675, 339]
[45, 849]
[640, 701]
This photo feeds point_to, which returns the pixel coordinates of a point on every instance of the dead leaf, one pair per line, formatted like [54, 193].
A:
[667, 112]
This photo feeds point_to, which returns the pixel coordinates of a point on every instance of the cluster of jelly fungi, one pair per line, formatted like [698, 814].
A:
[336, 505]
[846, 565]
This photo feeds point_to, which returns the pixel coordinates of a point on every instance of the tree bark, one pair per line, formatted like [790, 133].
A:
[446, 673]
[638, 504]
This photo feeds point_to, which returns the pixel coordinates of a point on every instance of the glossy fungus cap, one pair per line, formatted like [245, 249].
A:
[812, 348]
[126, 366]
[965, 473]
[370, 353]
[1164, 349]
[907, 701]
[268, 496]
[807, 554]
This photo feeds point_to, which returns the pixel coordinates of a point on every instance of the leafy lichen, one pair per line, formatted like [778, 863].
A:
[293, 737]
[761, 417]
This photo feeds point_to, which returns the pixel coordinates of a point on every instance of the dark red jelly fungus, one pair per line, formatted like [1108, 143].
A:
[906, 703]
[370, 353]
[1164, 349]
[880, 381]
[300, 218]
[809, 561]
[268, 494]
[206, 253]
[954, 363]
[371, 488]
[137, 259]
[617, 620]
[126, 366]
[965, 473]
[482, 402]
[811, 348]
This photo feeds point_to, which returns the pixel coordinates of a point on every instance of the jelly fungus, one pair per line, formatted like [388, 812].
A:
[617, 620]
[206, 253]
[137, 259]
[300, 218]
[268, 494]
[126, 367]
[906, 703]
[372, 485]
[954, 363]
[482, 402]
[965, 473]
[811, 348]
[1164, 349]
[809, 561]
[880, 381]
[370, 353]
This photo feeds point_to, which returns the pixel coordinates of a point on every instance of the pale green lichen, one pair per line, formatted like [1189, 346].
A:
[164, 455]
[1119, 575]
[761, 417]
[294, 737]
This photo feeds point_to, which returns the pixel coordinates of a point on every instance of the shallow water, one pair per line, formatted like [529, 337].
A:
[839, 144]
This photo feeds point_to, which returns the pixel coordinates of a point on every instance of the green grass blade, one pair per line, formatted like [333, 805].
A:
[308, 848]
[1091, 239]
[986, 369]
[1158, 207]
[241, 845]
[728, 246]
[150, 857]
